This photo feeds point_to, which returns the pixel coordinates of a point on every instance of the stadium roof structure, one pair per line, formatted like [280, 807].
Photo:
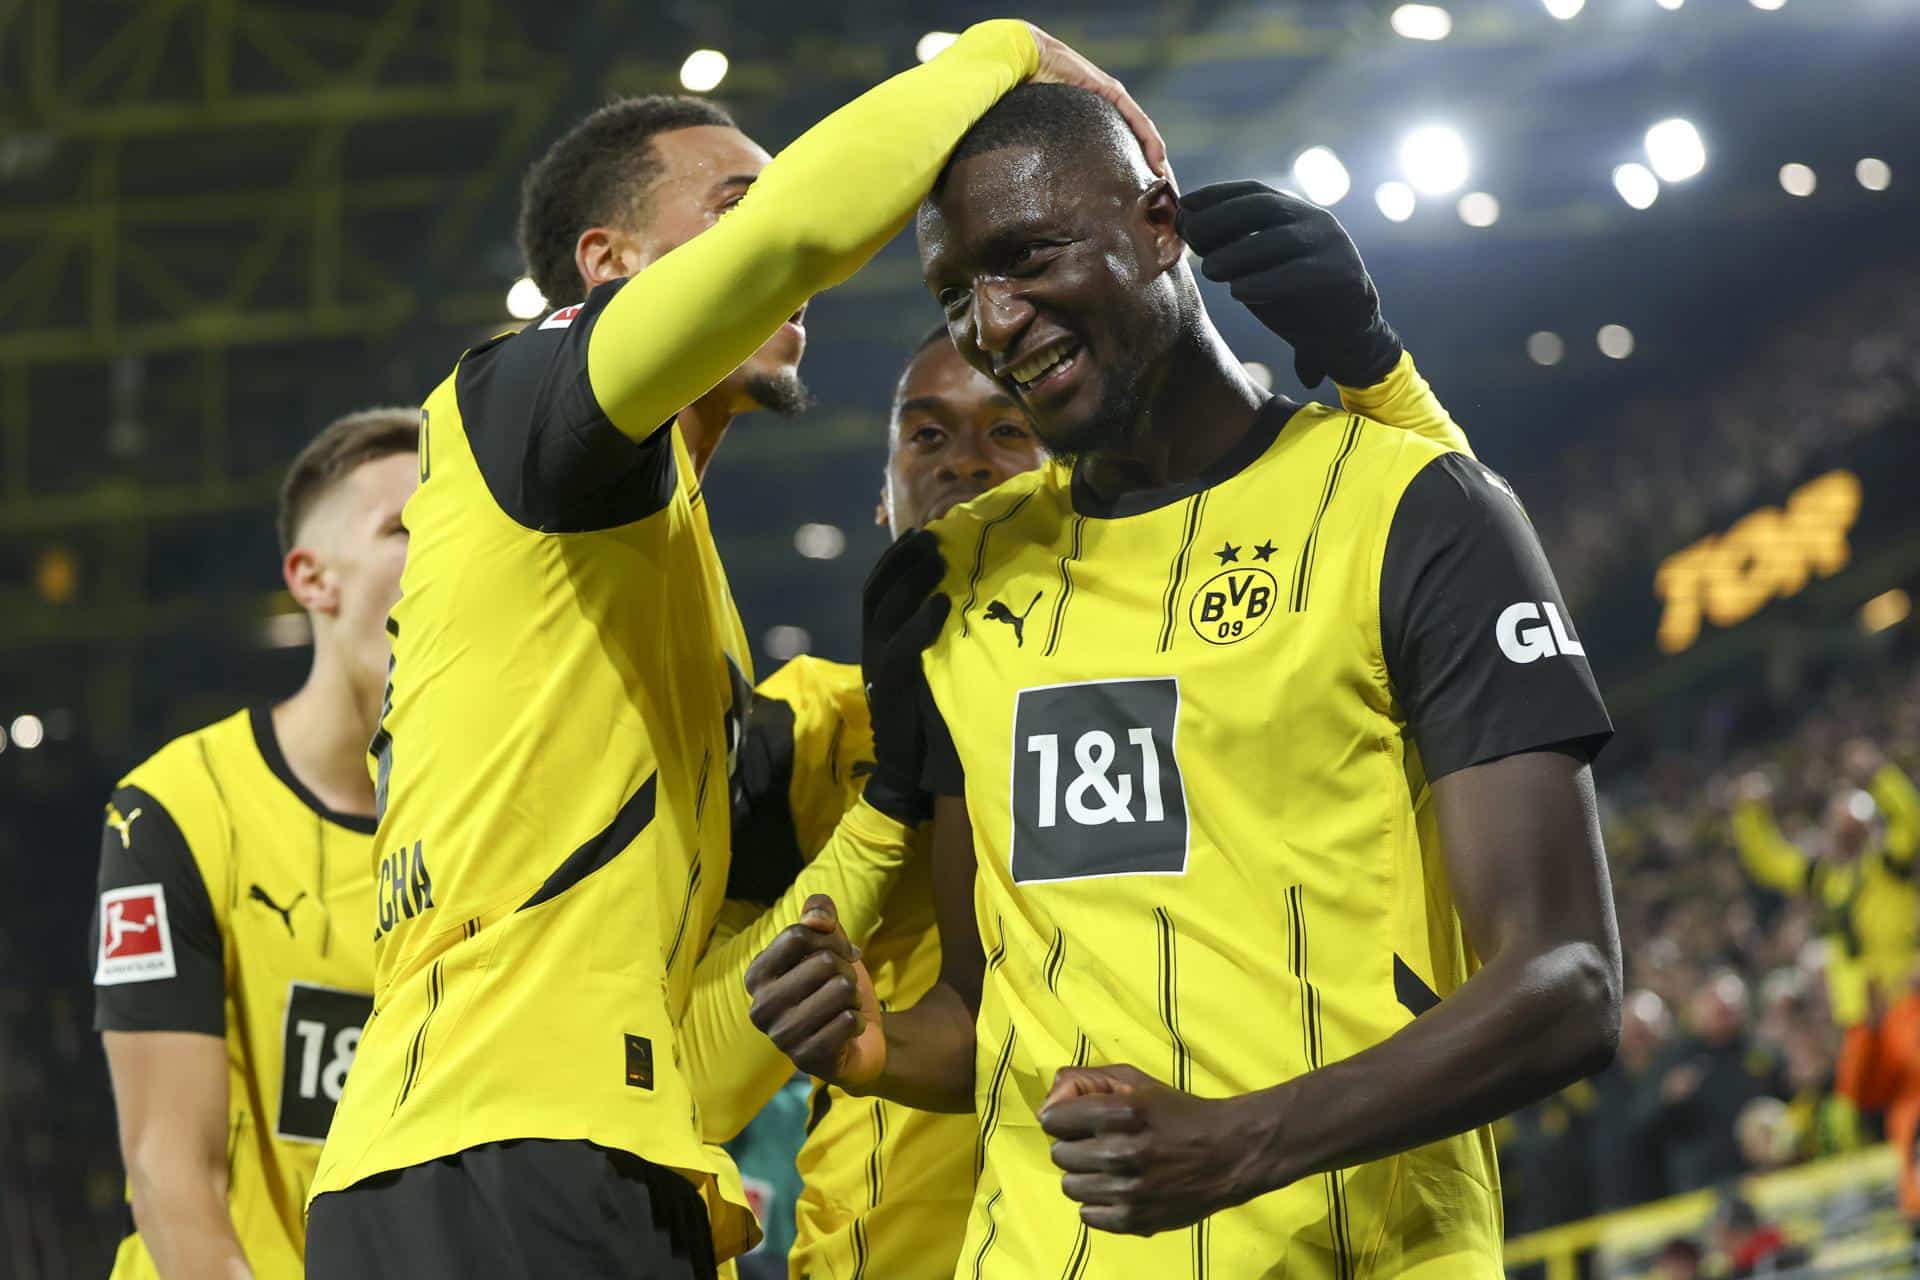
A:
[223, 222]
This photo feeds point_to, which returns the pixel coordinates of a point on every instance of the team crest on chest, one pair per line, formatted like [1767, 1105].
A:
[1234, 603]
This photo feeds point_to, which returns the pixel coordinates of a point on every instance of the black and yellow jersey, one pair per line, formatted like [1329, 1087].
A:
[1198, 778]
[569, 676]
[1866, 908]
[886, 1188]
[232, 904]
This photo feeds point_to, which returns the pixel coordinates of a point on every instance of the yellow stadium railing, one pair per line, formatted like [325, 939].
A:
[1644, 1228]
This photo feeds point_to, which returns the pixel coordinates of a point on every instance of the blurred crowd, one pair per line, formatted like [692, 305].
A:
[1766, 905]
[1644, 489]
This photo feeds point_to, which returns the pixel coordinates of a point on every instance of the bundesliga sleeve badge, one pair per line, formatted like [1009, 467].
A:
[135, 944]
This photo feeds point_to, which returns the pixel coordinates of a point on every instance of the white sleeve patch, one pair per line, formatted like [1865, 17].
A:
[135, 942]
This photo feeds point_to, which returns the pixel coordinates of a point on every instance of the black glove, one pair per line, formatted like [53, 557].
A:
[1293, 265]
[900, 614]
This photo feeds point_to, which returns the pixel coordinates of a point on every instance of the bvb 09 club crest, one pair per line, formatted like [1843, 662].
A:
[1233, 604]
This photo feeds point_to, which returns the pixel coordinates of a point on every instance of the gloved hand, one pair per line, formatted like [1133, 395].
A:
[900, 614]
[1293, 265]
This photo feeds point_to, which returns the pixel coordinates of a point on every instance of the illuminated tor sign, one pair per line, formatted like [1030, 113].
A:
[1769, 554]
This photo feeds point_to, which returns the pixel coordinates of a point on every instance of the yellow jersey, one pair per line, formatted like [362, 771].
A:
[1198, 783]
[569, 677]
[886, 1188]
[232, 904]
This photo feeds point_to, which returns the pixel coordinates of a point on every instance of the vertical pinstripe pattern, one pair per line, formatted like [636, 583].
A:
[416, 1052]
[1177, 572]
[686, 910]
[980, 560]
[1310, 1031]
[1066, 586]
[990, 1114]
[874, 1189]
[1169, 972]
[986, 1243]
[1078, 1255]
[1303, 567]
[1056, 960]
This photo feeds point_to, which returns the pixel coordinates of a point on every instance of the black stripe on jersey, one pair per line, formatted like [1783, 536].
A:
[980, 560]
[1065, 596]
[986, 1242]
[1310, 1035]
[698, 496]
[860, 1248]
[1170, 999]
[1410, 991]
[1177, 575]
[1056, 958]
[700, 787]
[1080, 1048]
[1303, 567]
[1077, 1258]
[999, 953]
[635, 816]
[990, 1115]
[416, 1051]
[817, 1107]
[1202, 1247]
[686, 910]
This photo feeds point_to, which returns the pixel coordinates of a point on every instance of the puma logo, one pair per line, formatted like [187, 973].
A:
[256, 894]
[997, 612]
[123, 825]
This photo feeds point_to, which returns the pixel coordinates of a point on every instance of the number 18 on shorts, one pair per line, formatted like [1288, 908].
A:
[1096, 785]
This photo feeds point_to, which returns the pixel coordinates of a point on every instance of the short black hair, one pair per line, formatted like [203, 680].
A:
[594, 174]
[1056, 119]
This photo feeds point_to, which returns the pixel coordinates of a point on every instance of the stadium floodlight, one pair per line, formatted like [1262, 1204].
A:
[1262, 375]
[1478, 209]
[933, 44]
[1396, 200]
[1546, 348]
[1434, 158]
[1615, 341]
[1874, 175]
[1563, 9]
[819, 541]
[28, 732]
[1669, 4]
[1320, 176]
[1797, 179]
[1422, 22]
[785, 641]
[703, 70]
[1675, 150]
[1768, 4]
[524, 299]
[1888, 609]
[1636, 185]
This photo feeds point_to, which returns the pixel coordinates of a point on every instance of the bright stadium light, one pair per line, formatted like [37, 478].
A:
[703, 70]
[1262, 376]
[933, 44]
[1546, 348]
[1320, 176]
[1670, 4]
[819, 541]
[1675, 150]
[1636, 185]
[784, 642]
[1422, 22]
[1615, 341]
[1797, 179]
[1768, 4]
[524, 299]
[28, 732]
[1563, 9]
[1434, 158]
[1478, 209]
[1396, 201]
[1888, 609]
[1874, 175]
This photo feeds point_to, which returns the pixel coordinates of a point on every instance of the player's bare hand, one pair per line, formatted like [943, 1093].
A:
[813, 998]
[1059, 64]
[1139, 1156]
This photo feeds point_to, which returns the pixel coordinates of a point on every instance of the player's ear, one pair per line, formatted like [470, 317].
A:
[309, 583]
[1159, 215]
[605, 253]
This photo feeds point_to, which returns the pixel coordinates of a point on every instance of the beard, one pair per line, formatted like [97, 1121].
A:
[780, 392]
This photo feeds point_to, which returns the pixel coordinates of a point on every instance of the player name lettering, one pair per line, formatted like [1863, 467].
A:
[1524, 637]
[405, 889]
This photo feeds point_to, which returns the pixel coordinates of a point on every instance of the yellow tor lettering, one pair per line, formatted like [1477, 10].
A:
[1767, 555]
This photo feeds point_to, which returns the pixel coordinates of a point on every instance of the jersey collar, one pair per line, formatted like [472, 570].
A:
[1267, 424]
[261, 718]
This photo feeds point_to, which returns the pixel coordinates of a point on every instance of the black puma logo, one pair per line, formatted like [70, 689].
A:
[256, 894]
[998, 612]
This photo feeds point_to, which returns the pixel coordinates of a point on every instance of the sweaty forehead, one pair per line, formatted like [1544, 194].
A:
[704, 154]
[987, 197]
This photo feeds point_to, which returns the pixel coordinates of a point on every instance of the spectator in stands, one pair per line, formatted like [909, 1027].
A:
[1859, 880]
[1752, 1247]
[1701, 1086]
[1880, 1071]
[1621, 1148]
[1678, 1260]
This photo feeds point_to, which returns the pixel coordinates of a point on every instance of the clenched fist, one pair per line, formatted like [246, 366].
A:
[813, 998]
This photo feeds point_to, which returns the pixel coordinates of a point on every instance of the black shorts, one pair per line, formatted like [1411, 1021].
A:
[529, 1208]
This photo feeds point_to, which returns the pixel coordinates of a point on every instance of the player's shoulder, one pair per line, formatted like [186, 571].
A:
[1024, 506]
[810, 680]
[185, 771]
